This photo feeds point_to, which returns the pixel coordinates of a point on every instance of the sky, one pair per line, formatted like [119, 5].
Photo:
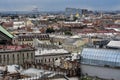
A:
[58, 5]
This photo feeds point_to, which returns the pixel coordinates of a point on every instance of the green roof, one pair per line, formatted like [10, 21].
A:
[5, 32]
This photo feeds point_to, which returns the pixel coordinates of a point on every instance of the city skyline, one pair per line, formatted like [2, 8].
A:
[58, 5]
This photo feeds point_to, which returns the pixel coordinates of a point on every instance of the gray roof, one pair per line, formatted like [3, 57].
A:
[101, 57]
[71, 40]
[114, 44]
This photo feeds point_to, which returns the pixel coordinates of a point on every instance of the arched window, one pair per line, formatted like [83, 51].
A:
[23, 57]
[49, 60]
[45, 60]
[56, 59]
[13, 58]
[27, 55]
[18, 58]
[4, 58]
[0, 59]
[53, 59]
[7, 58]
[41, 60]
[31, 55]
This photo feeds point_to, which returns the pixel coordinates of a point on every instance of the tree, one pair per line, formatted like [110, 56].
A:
[50, 30]
[68, 33]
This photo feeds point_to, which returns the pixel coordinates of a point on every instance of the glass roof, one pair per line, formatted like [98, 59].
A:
[100, 57]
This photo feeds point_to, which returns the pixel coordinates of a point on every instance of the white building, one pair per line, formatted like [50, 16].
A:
[49, 56]
[18, 24]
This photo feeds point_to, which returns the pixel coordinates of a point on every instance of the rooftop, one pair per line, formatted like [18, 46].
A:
[51, 51]
[39, 74]
[5, 32]
[14, 48]
[59, 36]
[101, 57]
[115, 44]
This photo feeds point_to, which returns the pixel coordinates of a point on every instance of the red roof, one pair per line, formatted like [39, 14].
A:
[14, 47]
[88, 31]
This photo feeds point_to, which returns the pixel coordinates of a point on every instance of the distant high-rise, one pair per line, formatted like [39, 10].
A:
[72, 11]
[84, 11]
[75, 11]
[35, 10]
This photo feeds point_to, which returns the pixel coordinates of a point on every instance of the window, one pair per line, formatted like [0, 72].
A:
[45, 60]
[53, 59]
[49, 60]
[4, 58]
[41, 60]
[8, 59]
[23, 56]
[18, 58]
[27, 55]
[0, 59]
[56, 59]
[31, 55]
[13, 58]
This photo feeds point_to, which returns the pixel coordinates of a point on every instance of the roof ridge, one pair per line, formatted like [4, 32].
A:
[3, 30]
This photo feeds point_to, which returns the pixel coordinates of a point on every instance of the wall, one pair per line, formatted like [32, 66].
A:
[101, 72]
[16, 57]
[50, 59]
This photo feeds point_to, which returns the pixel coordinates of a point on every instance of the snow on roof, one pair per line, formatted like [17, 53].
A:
[59, 36]
[36, 42]
[74, 56]
[2, 68]
[70, 40]
[32, 72]
[38, 73]
[31, 78]
[57, 62]
[75, 36]
[51, 51]
[14, 68]
[115, 44]
[18, 22]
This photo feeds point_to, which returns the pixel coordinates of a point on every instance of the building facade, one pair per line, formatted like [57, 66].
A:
[49, 56]
[9, 57]
[101, 63]
[73, 45]
[28, 39]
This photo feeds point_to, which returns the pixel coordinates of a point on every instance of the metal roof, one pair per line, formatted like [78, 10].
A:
[114, 44]
[5, 32]
[101, 57]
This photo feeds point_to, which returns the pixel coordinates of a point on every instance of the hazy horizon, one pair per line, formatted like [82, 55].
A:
[58, 5]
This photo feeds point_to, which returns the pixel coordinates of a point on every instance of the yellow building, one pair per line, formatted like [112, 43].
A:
[29, 23]
[73, 44]
[77, 15]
